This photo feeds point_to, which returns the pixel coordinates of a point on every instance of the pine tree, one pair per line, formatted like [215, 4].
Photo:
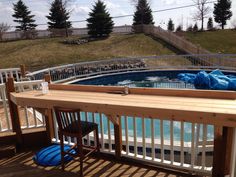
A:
[143, 14]
[179, 28]
[171, 26]
[190, 28]
[222, 12]
[99, 23]
[23, 16]
[210, 24]
[195, 28]
[58, 16]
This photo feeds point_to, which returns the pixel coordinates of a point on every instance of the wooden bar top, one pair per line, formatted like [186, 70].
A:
[190, 109]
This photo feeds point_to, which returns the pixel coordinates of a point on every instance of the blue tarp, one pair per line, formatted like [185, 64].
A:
[51, 156]
[214, 80]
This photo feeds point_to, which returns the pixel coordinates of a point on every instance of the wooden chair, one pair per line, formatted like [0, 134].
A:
[70, 125]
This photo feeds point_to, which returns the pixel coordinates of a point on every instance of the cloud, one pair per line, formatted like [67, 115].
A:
[172, 2]
[79, 10]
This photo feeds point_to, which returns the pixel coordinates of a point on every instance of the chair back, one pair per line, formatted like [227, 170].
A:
[68, 120]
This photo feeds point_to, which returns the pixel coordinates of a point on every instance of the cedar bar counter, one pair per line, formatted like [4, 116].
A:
[216, 108]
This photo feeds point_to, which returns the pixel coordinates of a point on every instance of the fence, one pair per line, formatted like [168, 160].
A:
[85, 69]
[173, 39]
[16, 35]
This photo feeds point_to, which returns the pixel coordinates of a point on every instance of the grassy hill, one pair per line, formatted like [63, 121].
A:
[43, 53]
[221, 41]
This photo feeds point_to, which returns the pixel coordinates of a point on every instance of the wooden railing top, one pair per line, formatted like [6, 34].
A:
[213, 94]
[219, 112]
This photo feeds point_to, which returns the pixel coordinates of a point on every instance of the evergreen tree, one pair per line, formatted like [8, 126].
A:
[179, 28]
[222, 12]
[210, 24]
[190, 28]
[58, 16]
[23, 16]
[99, 23]
[143, 14]
[171, 26]
[195, 28]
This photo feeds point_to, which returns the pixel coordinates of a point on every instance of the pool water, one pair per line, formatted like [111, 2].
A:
[163, 79]
[157, 133]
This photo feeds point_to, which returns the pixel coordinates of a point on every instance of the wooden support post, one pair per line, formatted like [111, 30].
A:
[118, 138]
[49, 125]
[22, 71]
[222, 151]
[14, 113]
[47, 78]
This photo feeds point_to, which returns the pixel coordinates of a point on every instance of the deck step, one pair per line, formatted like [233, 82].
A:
[7, 151]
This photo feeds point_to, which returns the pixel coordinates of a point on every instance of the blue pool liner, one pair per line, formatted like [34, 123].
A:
[51, 156]
[214, 80]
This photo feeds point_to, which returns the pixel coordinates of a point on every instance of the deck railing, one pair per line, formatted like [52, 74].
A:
[11, 72]
[156, 141]
[30, 118]
[163, 142]
[85, 69]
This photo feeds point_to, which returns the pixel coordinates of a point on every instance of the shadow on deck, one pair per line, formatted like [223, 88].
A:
[22, 165]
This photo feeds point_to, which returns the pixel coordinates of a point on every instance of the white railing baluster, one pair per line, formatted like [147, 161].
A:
[35, 118]
[192, 146]
[171, 142]
[204, 139]
[17, 76]
[55, 126]
[197, 139]
[162, 140]
[26, 117]
[101, 131]
[94, 121]
[4, 100]
[135, 137]
[86, 119]
[109, 135]
[144, 137]
[126, 135]
[1, 77]
[6, 75]
[153, 139]
[182, 143]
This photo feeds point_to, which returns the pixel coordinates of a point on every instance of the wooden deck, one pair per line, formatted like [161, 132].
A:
[22, 165]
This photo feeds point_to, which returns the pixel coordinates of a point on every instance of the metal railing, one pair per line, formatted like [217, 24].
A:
[93, 68]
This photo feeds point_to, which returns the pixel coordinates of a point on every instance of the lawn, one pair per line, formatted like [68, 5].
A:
[221, 41]
[43, 53]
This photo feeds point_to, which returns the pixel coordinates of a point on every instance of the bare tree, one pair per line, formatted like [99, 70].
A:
[202, 11]
[3, 28]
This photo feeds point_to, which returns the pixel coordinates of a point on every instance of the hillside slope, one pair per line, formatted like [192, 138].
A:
[221, 41]
[43, 53]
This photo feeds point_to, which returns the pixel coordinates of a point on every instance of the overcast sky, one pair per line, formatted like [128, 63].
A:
[81, 8]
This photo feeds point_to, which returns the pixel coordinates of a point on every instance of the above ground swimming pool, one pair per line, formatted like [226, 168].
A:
[153, 79]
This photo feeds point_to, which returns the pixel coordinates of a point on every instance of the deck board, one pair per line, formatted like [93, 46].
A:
[22, 165]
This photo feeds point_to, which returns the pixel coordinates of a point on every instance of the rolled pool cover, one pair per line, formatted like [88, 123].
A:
[214, 80]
